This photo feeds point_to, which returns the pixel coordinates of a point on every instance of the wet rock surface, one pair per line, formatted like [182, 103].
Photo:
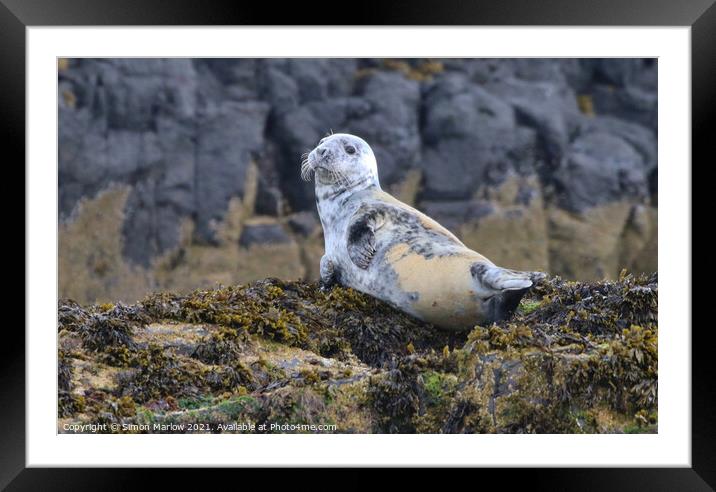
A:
[280, 356]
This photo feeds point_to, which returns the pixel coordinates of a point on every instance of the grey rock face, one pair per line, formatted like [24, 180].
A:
[624, 87]
[600, 168]
[303, 223]
[263, 234]
[226, 138]
[383, 109]
[168, 128]
[452, 214]
[549, 107]
[185, 132]
[468, 134]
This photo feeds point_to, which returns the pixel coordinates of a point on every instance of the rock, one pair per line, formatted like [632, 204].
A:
[654, 186]
[586, 245]
[623, 72]
[140, 226]
[623, 87]
[91, 266]
[132, 123]
[641, 138]
[287, 83]
[263, 233]
[384, 112]
[577, 357]
[269, 200]
[303, 223]
[600, 168]
[391, 125]
[202, 145]
[297, 131]
[456, 108]
[556, 70]
[408, 189]
[631, 103]
[234, 71]
[467, 132]
[480, 70]
[279, 88]
[515, 230]
[225, 142]
[639, 242]
[82, 156]
[130, 100]
[550, 107]
[452, 214]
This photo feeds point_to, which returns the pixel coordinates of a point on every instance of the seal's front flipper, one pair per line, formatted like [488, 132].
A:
[361, 241]
[330, 275]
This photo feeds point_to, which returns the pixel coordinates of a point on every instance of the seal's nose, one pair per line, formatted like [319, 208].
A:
[322, 151]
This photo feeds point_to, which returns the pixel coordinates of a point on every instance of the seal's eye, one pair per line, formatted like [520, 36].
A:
[350, 149]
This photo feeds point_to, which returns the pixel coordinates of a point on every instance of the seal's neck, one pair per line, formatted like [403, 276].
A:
[334, 191]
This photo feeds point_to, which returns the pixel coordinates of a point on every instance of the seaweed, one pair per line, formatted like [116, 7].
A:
[598, 308]
[575, 357]
[101, 326]
[222, 346]
[336, 323]
[396, 395]
[155, 373]
[68, 404]
[64, 371]
[288, 408]
[255, 308]
[231, 377]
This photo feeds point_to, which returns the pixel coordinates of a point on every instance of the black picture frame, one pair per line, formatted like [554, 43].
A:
[16, 15]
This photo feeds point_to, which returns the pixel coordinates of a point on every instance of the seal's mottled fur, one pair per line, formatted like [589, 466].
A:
[385, 248]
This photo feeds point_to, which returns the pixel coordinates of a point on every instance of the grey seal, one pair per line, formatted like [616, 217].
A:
[378, 245]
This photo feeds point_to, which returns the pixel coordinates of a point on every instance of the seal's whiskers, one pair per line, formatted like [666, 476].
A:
[306, 170]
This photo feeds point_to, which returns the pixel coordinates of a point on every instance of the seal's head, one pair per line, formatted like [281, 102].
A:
[341, 159]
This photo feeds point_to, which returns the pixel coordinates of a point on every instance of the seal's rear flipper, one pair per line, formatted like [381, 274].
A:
[509, 286]
[506, 303]
[492, 277]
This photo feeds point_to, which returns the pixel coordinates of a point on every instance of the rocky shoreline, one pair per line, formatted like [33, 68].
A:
[285, 356]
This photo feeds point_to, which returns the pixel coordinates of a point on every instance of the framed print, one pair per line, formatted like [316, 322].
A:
[420, 240]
